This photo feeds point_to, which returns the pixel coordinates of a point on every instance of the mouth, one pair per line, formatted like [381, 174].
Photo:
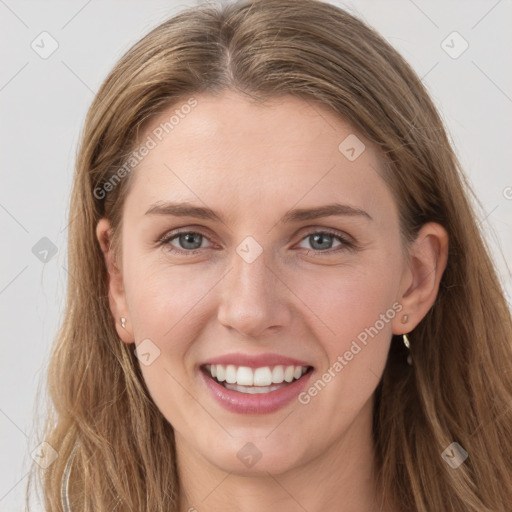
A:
[264, 379]
[260, 390]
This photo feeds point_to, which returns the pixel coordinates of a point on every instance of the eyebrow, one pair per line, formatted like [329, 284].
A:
[296, 215]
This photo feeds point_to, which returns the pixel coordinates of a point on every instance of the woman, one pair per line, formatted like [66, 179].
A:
[279, 296]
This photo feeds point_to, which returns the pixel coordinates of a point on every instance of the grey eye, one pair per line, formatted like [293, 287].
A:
[190, 240]
[321, 241]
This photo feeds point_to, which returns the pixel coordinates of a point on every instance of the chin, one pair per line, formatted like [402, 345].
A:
[253, 458]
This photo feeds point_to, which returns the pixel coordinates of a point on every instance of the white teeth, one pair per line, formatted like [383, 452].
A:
[252, 390]
[221, 373]
[230, 374]
[262, 377]
[288, 373]
[244, 376]
[278, 374]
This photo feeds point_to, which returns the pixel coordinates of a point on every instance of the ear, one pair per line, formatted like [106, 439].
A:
[426, 263]
[116, 292]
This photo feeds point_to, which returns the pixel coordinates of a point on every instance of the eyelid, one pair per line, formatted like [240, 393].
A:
[189, 228]
[312, 230]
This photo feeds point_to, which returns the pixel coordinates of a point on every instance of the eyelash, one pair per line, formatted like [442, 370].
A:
[168, 237]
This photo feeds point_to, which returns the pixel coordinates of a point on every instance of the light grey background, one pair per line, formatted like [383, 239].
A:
[43, 104]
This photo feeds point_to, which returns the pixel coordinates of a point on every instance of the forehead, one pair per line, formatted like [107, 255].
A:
[255, 155]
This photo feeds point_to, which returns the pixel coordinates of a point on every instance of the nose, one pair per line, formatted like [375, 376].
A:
[254, 298]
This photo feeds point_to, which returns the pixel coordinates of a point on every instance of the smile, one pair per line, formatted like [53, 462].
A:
[258, 390]
[254, 380]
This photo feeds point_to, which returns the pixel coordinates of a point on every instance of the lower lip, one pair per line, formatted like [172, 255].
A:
[262, 403]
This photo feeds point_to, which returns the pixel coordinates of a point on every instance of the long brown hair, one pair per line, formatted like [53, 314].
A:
[459, 388]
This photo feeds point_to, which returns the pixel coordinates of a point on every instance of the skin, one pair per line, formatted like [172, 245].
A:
[252, 164]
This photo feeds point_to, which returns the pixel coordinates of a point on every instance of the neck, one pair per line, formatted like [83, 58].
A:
[340, 479]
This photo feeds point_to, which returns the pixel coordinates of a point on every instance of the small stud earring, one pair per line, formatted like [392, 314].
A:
[123, 322]
[405, 318]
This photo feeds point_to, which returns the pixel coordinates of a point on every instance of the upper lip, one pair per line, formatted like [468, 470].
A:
[255, 361]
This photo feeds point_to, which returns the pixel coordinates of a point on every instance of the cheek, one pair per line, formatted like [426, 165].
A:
[162, 298]
[166, 304]
[348, 299]
[354, 309]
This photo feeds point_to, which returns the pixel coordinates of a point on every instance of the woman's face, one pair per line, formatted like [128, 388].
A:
[289, 256]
